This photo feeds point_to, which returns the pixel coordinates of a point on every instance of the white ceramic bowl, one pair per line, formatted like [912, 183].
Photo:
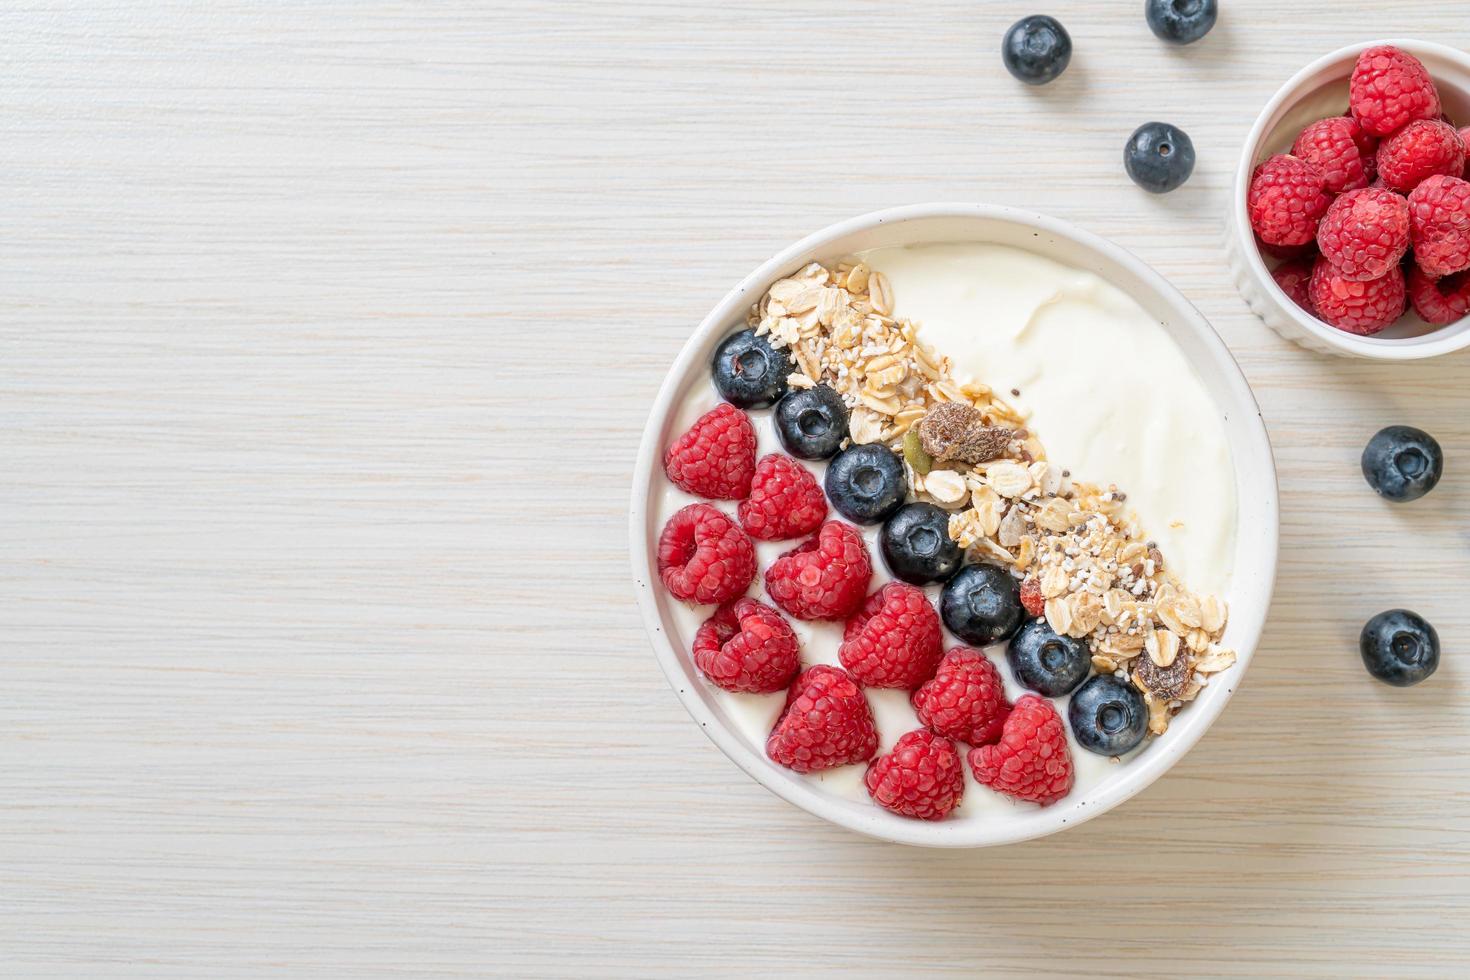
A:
[1255, 554]
[1317, 91]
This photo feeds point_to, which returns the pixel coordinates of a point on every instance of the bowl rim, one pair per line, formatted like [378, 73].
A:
[1444, 340]
[878, 823]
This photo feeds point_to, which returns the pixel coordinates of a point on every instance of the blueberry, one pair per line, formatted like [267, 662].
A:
[1036, 49]
[812, 422]
[1047, 662]
[1159, 157]
[916, 544]
[982, 604]
[1107, 716]
[1181, 21]
[749, 372]
[866, 483]
[1402, 463]
[1399, 647]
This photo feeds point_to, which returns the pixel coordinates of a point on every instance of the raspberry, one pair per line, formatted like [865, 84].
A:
[966, 700]
[704, 557]
[1389, 89]
[1439, 224]
[1286, 200]
[1286, 251]
[1031, 761]
[894, 640]
[715, 459]
[785, 501]
[1335, 147]
[1365, 233]
[1418, 151]
[1295, 278]
[826, 578]
[1465, 138]
[826, 723]
[1439, 301]
[1031, 596]
[1362, 308]
[747, 646]
[922, 777]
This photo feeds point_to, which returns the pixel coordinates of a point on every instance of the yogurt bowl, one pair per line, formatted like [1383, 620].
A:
[911, 241]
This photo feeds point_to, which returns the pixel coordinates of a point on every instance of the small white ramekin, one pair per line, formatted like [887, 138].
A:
[1252, 580]
[1317, 91]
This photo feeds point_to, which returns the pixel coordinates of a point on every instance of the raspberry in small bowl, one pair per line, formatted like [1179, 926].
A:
[1350, 218]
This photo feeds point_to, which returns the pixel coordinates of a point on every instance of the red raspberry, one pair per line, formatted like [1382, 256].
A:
[1389, 89]
[922, 777]
[1031, 761]
[1335, 147]
[1439, 223]
[1365, 233]
[716, 457]
[1418, 151]
[1286, 200]
[826, 578]
[894, 640]
[826, 723]
[1031, 597]
[785, 501]
[1465, 138]
[966, 700]
[1362, 308]
[1286, 251]
[1295, 278]
[704, 557]
[1440, 301]
[747, 646]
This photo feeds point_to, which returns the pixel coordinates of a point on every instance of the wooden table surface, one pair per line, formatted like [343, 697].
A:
[327, 334]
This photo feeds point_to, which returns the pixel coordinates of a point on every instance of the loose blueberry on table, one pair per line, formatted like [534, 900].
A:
[1402, 463]
[1181, 21]
[916, 544]
[812, 422]
[1399, 647]
[1159, 157]
[1037, 49]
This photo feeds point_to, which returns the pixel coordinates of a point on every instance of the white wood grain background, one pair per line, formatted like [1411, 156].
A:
[327, 332]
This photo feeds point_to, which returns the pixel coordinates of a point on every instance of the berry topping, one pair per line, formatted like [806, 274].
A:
[1158, 157]
[1420, 150]
[812, 422]
[1399, 647]
[1365, 233]
[826, 723]
[824, 579]
[747, 646]
[716, 457]
[704, 557]
[1108, 716]
[1362, 308]
[1036, 49]
[1287, 198]
[1389, 89]
[922, 777]
[1181, 21]
[1339, 148]
[982, 604]
[866, 483]
[1295, 279]
[894, 640]
[1402, 463]
[785, 501]
[1439, 224]
[1047, 662]
[1031, 761]
[1439, 301]
[749, 372]
[1032, 599]
[916, 545]
[966, 700]
[1465, 138]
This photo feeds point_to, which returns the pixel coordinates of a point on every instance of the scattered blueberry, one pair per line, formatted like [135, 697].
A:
[1399, 647]
[981, 604]
[1036, 49]
[1159, 157]
[1108, 716]
[916, 544]
[1046, 662]
[1402, 463]
[812, 422]
[749, 372]
[866, 483]
[1181, 21]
